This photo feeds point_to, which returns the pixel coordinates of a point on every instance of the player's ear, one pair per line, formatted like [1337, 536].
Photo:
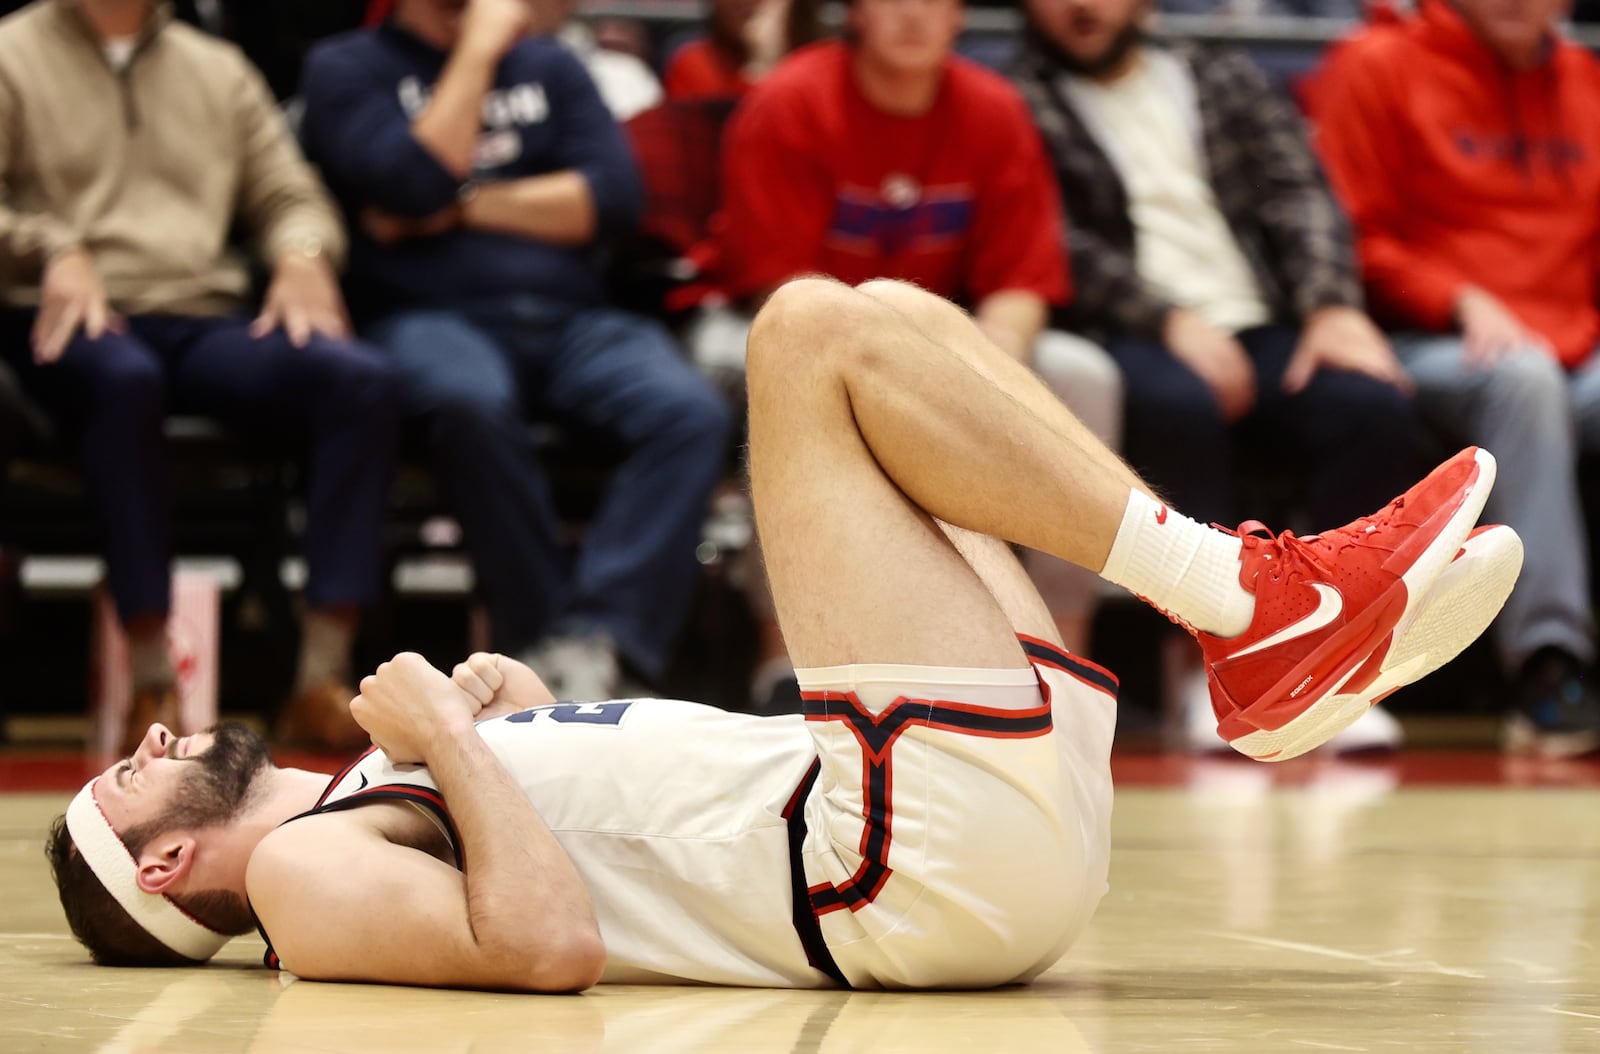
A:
[165, 860]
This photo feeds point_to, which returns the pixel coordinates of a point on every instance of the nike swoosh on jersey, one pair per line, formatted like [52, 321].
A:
[363, 782]
[1329, 605]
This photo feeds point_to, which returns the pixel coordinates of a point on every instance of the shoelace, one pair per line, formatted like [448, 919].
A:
[1320, 550]
[1287, 555]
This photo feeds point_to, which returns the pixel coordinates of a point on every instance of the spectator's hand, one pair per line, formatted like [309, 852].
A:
[407, 707]
[1490, 330]
[70, 296]
[498, 685]
[1219, 359]
[303, 299]
[493, 27]
[387, 229]
[1343, 338]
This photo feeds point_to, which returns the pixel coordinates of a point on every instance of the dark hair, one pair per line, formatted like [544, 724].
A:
[102, 925]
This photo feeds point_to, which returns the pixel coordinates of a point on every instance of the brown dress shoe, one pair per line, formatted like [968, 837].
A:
[149, 706]
[318, 719]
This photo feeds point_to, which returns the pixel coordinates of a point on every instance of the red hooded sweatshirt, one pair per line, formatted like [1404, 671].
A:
[1458, 170]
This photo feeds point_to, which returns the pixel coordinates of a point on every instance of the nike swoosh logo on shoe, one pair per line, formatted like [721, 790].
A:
[1330, 603]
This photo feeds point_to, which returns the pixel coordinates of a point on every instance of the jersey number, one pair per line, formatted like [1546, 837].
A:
[575, 713]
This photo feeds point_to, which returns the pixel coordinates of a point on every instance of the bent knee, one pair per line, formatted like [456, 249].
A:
[903, 296]
[799, 318]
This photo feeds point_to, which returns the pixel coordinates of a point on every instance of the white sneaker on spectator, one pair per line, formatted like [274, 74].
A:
[1374, 730]
[1197, 724]
[578, 666]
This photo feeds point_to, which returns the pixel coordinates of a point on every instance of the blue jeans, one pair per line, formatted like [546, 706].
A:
[1535, 418]
[476, 374]
[338, 397]
[1349, 438]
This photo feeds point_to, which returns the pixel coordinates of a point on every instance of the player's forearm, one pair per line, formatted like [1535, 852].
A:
[513, 864]
[557, 208]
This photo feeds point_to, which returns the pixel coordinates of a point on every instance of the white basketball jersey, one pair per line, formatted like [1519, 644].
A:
[921, 827]
[672, 812]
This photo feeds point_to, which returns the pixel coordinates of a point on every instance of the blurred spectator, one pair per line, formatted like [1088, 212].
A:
[1247, 9]
[273, 35]
[679, 146]
[626, 82]
[1217, 268]
[744, 40]
[1466, 144]
[612, 52]
[483, 170]
[889, 156]
[130, 148]
[630, 36]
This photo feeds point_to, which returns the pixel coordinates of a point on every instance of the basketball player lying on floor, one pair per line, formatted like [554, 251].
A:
[938, 818]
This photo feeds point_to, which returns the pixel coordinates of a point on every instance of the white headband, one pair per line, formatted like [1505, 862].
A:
[114, 866]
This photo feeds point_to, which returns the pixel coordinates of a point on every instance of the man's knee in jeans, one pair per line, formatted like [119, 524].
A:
[1530, 382]
[447, 369]
[679, 402]
[1525, 382]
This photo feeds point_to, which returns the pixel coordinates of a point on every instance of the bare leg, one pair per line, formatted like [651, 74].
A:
[870, 418]
[1007, 581]
[970, 435]
[874, 412]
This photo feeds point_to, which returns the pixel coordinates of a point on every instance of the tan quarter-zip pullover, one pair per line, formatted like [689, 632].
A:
[149, 168]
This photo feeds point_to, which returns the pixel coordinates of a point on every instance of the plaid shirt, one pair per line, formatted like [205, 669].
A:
[1267, 182]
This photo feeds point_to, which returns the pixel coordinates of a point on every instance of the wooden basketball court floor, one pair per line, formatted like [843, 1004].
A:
[1445, 902]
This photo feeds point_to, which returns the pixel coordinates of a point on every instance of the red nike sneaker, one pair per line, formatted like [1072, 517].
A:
[1327, 603]
[1452, 613]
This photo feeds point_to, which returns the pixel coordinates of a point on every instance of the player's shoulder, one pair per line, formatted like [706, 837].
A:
[293, 853]
[280, 844]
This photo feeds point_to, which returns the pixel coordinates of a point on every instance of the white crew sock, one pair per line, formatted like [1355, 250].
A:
[1184, 568]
